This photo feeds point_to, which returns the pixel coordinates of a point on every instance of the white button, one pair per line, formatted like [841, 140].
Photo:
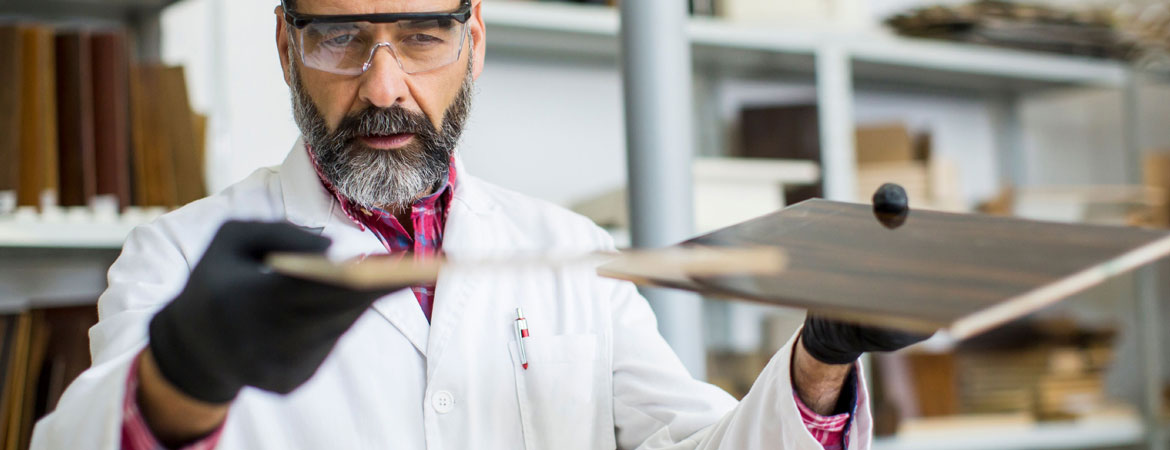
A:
[443, 402]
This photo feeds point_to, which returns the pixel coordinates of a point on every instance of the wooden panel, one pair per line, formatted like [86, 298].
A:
[75, 157]
[38, 125]
[937, 270]
[111, 95]
[10, 110]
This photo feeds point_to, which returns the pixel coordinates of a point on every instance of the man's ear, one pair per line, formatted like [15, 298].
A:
[282, 43]
[478, 36]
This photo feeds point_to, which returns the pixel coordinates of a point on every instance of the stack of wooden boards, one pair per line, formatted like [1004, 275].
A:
[1023, 25]
[1040, 369]
[85, 124]
[41, 352]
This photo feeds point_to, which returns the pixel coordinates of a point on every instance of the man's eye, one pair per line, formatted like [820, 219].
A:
[340, 40]
[423, 39]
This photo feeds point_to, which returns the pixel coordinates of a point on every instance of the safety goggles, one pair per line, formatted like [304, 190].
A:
[346, 44]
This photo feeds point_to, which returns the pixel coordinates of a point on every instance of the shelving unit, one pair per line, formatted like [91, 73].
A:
[590, 31]
[60, 257]
[834, 59]
[837, 61]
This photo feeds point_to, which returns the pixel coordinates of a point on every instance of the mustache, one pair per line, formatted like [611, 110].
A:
[374, 121]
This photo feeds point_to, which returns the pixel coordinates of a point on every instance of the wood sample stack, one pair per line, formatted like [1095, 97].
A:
[41, 352]
[167, 163]
[66, 95]
[1044, 369]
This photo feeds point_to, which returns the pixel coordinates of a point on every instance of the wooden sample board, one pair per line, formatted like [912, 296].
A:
[961, 273]
[402, 269]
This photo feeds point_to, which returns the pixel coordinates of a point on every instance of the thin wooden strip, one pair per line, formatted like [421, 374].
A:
[1051, 293]
[634, 265]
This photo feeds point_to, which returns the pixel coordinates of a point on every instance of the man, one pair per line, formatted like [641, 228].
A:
[199, 346]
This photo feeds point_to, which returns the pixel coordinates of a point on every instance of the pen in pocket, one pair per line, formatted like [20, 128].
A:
[521, 326]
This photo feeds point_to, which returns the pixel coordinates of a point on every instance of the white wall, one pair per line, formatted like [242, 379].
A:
[553, 131]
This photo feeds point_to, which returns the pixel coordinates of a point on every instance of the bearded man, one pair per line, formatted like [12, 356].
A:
[201, 346]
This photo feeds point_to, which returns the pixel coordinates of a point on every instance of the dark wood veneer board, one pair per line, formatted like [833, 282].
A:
[77, 173]
[959, 272]
[111, 114]
[10, 107]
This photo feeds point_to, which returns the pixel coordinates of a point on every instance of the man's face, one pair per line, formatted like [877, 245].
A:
[383, 137]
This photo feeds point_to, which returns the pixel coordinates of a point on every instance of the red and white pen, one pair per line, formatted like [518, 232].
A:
[521, 333]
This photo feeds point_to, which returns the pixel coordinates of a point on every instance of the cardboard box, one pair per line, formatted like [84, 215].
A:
[884, 143]
[1156, 173]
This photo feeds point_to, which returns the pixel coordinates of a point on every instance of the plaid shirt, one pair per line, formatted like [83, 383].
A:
[829, 431]
[428, 217]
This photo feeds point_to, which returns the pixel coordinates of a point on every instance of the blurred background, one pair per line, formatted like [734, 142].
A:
[112, 112]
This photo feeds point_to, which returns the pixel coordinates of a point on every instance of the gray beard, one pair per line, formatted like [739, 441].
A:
[373, 178]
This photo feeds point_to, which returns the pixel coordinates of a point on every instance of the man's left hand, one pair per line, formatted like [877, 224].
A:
[823, 359]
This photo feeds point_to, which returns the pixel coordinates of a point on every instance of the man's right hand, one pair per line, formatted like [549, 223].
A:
[238, 324]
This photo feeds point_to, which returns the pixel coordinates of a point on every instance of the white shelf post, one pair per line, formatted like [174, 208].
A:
[656, 75]
[834, 76]
[1012, 164]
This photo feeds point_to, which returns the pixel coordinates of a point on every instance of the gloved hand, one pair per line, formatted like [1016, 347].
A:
[236, 324]
[833, 342]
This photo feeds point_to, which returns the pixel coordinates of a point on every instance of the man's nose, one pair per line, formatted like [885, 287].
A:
[384, 82]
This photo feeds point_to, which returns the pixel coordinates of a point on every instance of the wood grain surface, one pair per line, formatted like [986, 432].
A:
[960, 272]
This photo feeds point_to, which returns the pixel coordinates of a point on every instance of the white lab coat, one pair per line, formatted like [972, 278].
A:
[600, 375]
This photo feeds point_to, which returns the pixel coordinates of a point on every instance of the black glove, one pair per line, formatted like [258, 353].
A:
[833, 342]
[236, 324]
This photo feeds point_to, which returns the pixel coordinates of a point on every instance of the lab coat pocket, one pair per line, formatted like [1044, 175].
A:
[558, 393]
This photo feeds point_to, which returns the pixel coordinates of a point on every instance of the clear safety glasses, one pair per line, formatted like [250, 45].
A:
[346, 44]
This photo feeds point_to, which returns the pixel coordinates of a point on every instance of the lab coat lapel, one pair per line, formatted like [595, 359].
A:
[470, 230]
[308, 204]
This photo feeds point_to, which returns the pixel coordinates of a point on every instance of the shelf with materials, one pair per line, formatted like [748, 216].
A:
[583, 31]
[59, 256]
[840, 63]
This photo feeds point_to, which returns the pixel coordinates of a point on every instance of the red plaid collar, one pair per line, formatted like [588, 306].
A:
[442, 196]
